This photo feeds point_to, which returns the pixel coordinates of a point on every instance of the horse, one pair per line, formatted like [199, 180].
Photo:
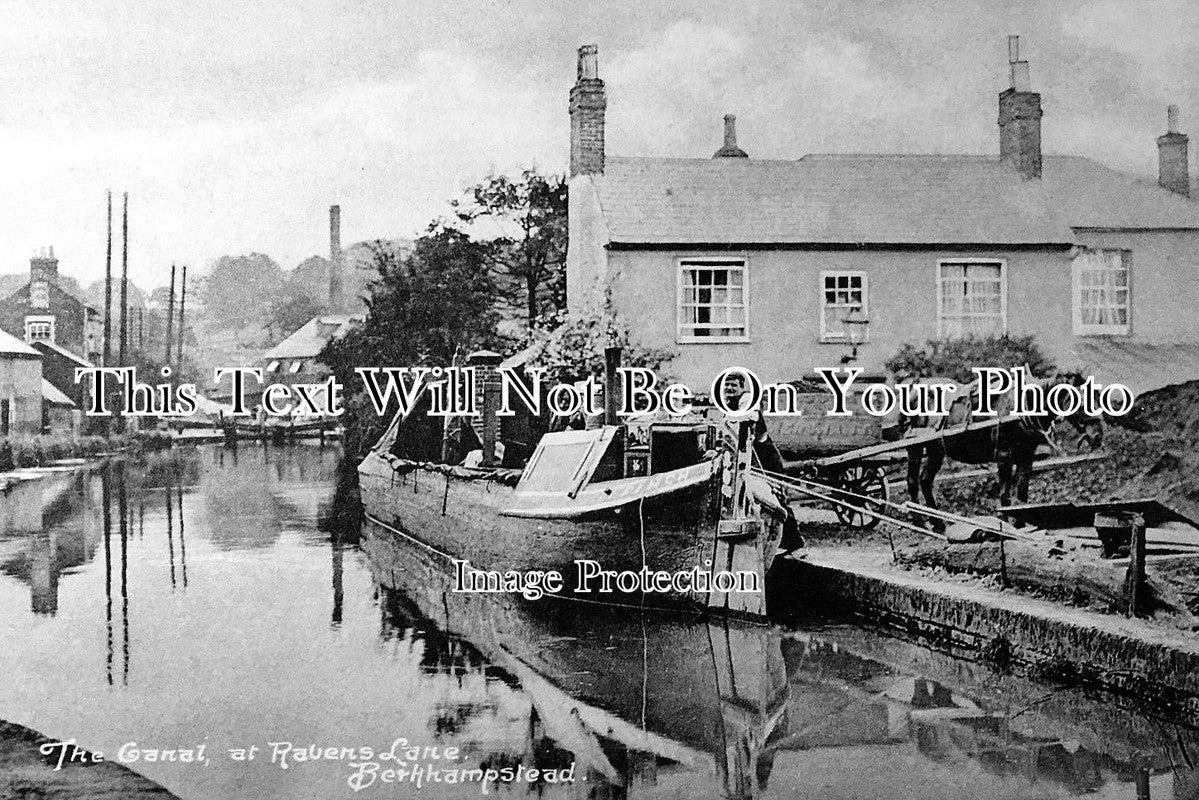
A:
[1011, 445]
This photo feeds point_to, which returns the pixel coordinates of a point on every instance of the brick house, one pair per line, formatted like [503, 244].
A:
[42, 310]
[782, 265]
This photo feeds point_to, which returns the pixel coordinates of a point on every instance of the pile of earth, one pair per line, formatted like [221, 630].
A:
[1152, 452]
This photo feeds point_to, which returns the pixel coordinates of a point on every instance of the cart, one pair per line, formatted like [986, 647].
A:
[851, 454]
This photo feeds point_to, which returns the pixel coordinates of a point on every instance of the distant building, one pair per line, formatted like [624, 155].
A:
[59, 413]
[42, 310]
[294, 360]
[20, 388]
[58, 369]
[782, 265]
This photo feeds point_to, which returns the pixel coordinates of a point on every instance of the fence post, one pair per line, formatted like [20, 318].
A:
[1136, 567]
[1142, 780]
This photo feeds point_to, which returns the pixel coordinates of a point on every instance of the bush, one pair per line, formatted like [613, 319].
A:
[954, 358]
[571, 346]
[38, 451]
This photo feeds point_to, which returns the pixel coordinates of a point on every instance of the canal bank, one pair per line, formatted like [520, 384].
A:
[30, 768]
[1060, 645]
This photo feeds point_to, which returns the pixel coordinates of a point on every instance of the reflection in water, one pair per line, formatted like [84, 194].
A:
[299, 625]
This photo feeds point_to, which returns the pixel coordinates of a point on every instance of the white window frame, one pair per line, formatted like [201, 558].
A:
[296, 366]
[273, 366]
[839, 337]
[40, 320]
[937, 280]
[716, 262]
[1076, 291]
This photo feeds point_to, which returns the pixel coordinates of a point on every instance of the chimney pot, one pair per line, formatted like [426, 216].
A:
[730, 148]
[1173, 168]
[1021, 80]
[588, 63]
[1013, 49]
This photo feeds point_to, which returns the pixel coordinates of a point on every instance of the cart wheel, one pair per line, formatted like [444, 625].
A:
[866, 481]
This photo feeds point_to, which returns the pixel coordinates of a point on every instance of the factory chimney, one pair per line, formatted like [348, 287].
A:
[336, 291]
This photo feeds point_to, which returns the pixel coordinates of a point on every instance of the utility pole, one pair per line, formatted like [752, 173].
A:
[108, 290]
[124, 282]
[182, 307]
[170, 318]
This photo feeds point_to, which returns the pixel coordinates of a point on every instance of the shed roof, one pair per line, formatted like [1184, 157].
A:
[53, 396]
[12, 347]
[310, 339]
[54, 347]
[874, 200]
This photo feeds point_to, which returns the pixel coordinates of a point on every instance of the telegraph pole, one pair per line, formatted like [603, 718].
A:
[170, 318]
[182, 307]
[108, 290]
[124, 281]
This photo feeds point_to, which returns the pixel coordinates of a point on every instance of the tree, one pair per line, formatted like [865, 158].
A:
[570, 346]
[289, 310]
[528, 253]
[423, 310]
[238, 290]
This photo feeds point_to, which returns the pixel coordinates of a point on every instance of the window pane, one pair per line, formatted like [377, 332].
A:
[712, 301]
[1102, 289]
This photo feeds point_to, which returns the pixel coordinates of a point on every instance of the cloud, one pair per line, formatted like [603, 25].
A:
[388, 151]
[234, 132]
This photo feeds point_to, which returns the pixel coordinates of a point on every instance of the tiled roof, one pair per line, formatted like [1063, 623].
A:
[310, 339]
[873, 199]
[12, 346]
[62, 351]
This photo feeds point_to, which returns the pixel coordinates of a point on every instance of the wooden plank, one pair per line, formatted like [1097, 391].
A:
[902, 444]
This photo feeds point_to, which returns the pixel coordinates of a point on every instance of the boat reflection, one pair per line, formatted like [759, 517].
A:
[635, 702]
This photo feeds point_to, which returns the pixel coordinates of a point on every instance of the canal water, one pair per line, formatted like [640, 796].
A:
[229, 599]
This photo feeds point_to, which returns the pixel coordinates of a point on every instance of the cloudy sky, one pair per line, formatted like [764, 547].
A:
[233, 126]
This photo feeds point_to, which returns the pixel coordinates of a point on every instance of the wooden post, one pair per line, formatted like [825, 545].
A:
[182, 310]
[611, 385]
[108, 290]
[1141, 777]
[740, 535]
[1136, 567]
[166, 361]
[485, 363]
[124, 338]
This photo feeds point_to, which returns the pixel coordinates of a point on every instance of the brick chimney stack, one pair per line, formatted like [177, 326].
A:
[43, 266]
[1020, 117]
[336, 298]
[588, 101]
[730, 148]
[1173, 172]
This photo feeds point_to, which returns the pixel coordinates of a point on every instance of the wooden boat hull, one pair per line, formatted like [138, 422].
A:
[463, 518]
